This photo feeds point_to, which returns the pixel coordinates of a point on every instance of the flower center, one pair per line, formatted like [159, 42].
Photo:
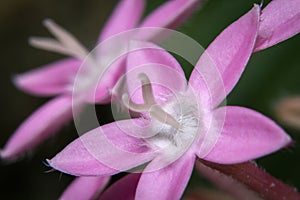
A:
[150, 104]
[175, 123]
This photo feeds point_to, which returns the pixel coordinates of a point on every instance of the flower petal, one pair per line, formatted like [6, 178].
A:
[105, 150]
[157, 64]
[222, 64]
[125, 16]
[280, 20]
[122, 189]
[51, 79]
[85, 187]
[246, 135]
[171, 14]
[107, 81]
[40, 125]
[168, 182]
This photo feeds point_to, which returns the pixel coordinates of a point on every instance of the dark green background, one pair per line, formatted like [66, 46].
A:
[271, 74]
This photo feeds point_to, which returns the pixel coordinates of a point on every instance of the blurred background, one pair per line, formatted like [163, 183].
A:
[271, 75]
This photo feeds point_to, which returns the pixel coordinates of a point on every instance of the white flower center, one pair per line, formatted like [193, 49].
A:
[175, 124]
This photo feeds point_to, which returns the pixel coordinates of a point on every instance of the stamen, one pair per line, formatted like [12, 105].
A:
[49, 44]
[65, 42]
[64, 36]
[150, 104]
[147, 89]
[157, 112]
[133, 106]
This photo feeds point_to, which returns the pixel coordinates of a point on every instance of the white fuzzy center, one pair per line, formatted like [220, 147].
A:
[175, 124]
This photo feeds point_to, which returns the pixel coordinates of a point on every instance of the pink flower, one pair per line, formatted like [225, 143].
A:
[57, 79]
[181, 121]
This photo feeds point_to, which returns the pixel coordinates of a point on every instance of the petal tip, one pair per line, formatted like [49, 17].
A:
[49, 163]
[22, 82]
[257, 7]
[6, 157]
[286, 141]
[289, 141]
[2, 155]
[17, 80]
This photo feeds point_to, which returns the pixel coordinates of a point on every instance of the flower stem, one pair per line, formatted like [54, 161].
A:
[257, 179]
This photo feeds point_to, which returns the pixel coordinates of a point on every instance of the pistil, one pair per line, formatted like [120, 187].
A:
[150, 105]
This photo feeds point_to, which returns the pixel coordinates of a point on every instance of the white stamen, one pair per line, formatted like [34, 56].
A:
[158, 113]
[64, 36]
[150, 104]
[65, 42]
[49, 44]
[133, 106]
[147, 89]
[185, 112]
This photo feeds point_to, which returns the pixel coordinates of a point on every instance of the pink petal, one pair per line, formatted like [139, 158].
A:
[52, 79]
[167, 183]
[157, 64]
[222, 64]
[171, 14]
[246, 135]
[102, 92]
[125, 17]
[105, 150]
[122, 189]
[40, 125]
[280, 20]
[85, 187]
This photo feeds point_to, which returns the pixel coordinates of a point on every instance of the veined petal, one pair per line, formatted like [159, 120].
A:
[52, 79]
[168, 182]
[221, 65]
[122, 189]
[171, 14]
[157, 64]
[246, 135]
[40, 125]
[125, 17]
[105, 150]
[280, 20]
[85, 188]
